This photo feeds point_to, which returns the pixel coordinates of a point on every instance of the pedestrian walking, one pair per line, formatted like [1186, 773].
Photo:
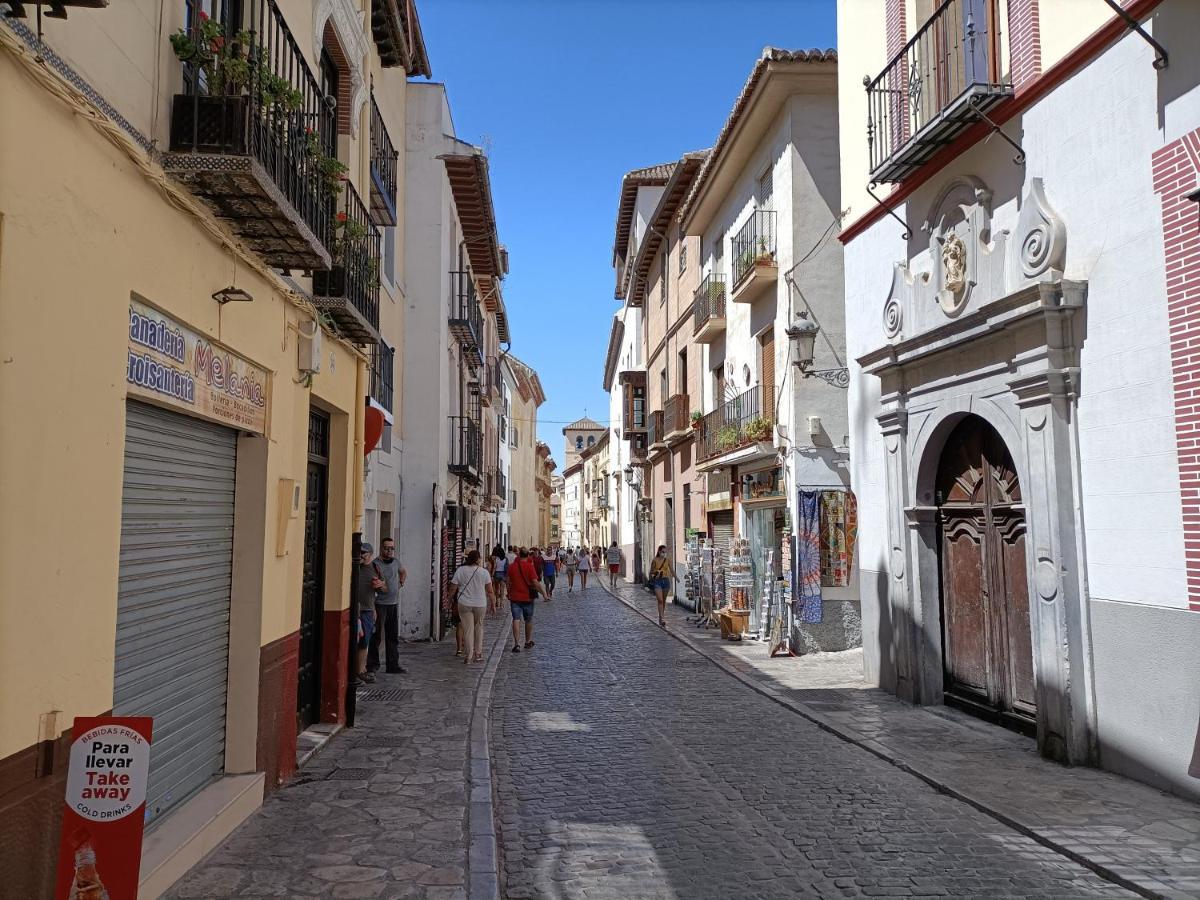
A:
[472, 586]
[596, 559]
[390, 576]
[523, 587]
[536, 555]
[585, 566]
[613, 556]
[365, 625]
[572, 564]
[498, 567]
[660, 580]
[549, 572]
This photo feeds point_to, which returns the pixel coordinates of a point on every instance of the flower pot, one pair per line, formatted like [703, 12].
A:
[201, 124]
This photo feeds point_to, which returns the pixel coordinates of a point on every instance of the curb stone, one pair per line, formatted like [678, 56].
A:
[483, 865]
[740, 671]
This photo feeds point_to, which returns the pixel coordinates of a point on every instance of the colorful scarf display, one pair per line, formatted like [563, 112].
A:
[806, 605]
[839, 528]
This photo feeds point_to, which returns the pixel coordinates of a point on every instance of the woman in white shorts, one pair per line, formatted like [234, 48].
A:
[572, 568]
[585, 566]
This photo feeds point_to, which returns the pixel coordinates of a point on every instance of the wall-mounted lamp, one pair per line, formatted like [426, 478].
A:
[802, 340]
[232, 294]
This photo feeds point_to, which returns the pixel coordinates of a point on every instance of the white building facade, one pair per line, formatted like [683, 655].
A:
[1019, 321]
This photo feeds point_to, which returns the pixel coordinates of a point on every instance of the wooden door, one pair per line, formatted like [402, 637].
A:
[987, 645]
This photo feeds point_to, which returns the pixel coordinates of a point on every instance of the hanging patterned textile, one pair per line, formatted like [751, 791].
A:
[839, 528]
[807, 603]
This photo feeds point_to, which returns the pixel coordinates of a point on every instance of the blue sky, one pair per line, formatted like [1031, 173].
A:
[567, 96]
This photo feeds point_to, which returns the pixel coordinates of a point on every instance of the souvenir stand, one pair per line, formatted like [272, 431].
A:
[711, 583]
[734, 616]
[691, 576]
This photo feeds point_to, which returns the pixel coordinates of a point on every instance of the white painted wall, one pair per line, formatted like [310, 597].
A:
[431, 240]
[508, 390]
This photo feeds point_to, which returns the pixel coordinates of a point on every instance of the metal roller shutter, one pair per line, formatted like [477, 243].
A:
[172, 649]
[722, 531]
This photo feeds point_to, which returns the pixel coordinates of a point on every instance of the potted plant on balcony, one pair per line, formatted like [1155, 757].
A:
[211, 118]
[349, 250]
[727, 438]
[758, 429]
[697, 418]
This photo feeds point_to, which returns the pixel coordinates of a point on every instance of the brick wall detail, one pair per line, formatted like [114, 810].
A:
[334, 49]
[1176, 172]
[1025, 41]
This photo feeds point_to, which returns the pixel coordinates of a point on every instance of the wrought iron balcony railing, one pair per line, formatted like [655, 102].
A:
[466, 317]
[349, 291]
[384, 163]
[502, 486]
[253, 134]
[935, 88]
[383, 363]
[708, 307]
[466, 448]
[753, 245]
[735, 424]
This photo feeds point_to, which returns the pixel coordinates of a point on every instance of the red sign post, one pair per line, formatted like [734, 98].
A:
[100, 850]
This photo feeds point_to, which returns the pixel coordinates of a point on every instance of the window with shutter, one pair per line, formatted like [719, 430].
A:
[766, 370]
[766, 189]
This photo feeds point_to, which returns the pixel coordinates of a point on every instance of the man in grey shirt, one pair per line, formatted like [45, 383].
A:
[390, 573]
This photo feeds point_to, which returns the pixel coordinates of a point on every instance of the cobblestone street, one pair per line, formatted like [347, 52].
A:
[630, 766]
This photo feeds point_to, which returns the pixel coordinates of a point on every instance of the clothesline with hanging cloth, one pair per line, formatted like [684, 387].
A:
[826, 530]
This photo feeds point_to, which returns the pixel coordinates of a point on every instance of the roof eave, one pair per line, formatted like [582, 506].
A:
[472, 192]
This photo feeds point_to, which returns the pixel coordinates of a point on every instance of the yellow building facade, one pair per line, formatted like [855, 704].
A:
[190, 463]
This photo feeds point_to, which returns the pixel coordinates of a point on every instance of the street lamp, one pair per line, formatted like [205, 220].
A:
[802, 338]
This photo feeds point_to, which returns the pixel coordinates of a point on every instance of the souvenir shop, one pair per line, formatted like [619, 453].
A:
[770, 579]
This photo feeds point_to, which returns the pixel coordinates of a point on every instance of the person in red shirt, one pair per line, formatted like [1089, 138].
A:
[523, 587]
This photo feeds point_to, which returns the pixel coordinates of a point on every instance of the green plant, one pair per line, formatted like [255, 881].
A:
[696, 417]
[758, 429]
[727, 437]
[276, 92]
[330, 169]
[219, 60]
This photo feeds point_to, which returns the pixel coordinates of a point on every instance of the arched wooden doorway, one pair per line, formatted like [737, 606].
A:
[987, 647]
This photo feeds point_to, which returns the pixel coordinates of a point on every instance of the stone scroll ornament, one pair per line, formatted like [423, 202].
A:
[1041, 236]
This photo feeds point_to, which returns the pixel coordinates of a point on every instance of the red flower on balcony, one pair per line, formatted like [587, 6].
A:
[203, 16]
[341, 217]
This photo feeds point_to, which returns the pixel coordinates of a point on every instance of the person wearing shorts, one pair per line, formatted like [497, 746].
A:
[613, 557]
[523, 587]
[660, 580]
[585, 566]
[498, 564]
[572, 563]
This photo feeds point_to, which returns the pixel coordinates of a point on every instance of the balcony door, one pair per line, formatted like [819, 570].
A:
[954, 49]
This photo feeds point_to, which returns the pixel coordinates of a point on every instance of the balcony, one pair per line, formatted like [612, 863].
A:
[638, 446]
[466, 318]
[935, 88]
[656, 435]
[466, 448]
[384, 160]
[734, 424]
[754, 266]
[383, 361]
[491, 381]
[253, 135]
[708, 308]
[501, 491]
[719, 496]
[677, 422]
[349, 292]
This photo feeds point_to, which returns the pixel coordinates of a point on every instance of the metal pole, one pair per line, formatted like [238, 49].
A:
[352, 659]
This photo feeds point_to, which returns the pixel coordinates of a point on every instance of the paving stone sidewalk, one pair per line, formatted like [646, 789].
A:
[380, 812]
[1135, 834]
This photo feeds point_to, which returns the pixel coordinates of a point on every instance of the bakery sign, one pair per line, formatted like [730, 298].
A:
[170, 364]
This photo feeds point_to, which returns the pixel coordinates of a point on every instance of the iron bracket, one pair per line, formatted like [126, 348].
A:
[1160, 52]
[839, 378]
[1019, 159]
[891, 212]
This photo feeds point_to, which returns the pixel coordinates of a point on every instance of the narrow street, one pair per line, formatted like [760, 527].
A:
[629, 766]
